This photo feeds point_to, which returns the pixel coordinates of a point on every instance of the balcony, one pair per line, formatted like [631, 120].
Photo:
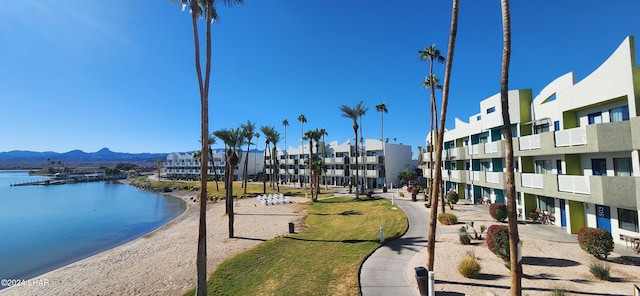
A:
[339, 160]
[529, 142]
[291, 162]
[373, 174]
[574, 184]
[571, 137]
[374, 159]
[329, 160]
[492, 177]
[530, 180]
[618, 191]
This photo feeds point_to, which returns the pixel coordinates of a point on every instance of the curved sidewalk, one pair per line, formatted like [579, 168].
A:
[385, 271]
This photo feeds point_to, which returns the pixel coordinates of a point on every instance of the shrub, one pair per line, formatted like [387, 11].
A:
[469, 266]
[558, 292]
[447, 218]
[498, 211]
[464, 238]
[595, 241]
[476, 235]
[401, 194]
[409, 189]
[415, 191]
[498, 241]
[600, 270]
[452, 197]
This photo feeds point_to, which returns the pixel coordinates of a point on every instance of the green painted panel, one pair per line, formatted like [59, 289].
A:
[477, 194]
[527, 164]
[529, 204]
[572, 162]
[475, 165]
[569, 119]
[576, 216]
[497, 164]
[526, 97]
[499, 195]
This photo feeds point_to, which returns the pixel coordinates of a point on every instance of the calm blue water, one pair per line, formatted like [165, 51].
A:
[45, 227]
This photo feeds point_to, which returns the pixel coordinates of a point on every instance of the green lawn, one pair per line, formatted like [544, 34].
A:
[322, 260]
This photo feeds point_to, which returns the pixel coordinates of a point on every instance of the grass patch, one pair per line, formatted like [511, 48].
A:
[322, 260]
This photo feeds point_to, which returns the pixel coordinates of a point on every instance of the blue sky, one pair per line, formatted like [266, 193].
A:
[79, 74]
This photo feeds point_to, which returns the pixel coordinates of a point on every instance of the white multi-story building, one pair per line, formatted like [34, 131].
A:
[576, 148]
[376, 161]
[184, 166]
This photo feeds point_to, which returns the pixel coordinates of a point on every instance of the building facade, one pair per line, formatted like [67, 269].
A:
[376, 160]
[576, 149]
[184, 166]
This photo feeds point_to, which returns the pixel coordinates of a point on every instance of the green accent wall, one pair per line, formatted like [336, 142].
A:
[496, 134]
[576, 216]
[459, 142]
[499, 195]
[477, 194]
[569, 119]
[527, 164]
[497, 164]
[529, 204]
[526, 97]
[572, 162]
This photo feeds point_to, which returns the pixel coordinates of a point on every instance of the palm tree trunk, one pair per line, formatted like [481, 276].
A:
[355, 131]
[514, 239]
[213, 166]
[246, 167]
[445, 100]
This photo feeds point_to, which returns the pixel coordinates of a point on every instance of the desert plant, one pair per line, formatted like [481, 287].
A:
[401, 194]
[476, 235]
[447, 218]
[558, 292]
[498, 211]
[498, 241]
[595, 241]
[464, 238]
[469, 266]
[600, 270]
[452, 198]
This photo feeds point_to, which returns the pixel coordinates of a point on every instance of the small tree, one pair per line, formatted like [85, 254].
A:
[595, 241]
[498, 211]
[498, 241]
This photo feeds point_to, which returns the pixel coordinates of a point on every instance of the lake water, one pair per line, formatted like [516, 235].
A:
[46, 227]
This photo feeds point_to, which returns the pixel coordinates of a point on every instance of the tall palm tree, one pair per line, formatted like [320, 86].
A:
[285, 123]
[445, 100]
[274, 139]
[317, 163]
[302, 120]
[431, 54]
[200, 8]
[363, 151]
[354, 112]
[514, 238]
[432, 82]
[309, 136]
[382, 108]
[267, 131]
[233, 140]
[323, 132]
[158, 162]
[248, 129]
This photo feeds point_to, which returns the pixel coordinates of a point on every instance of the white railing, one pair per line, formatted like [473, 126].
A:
[473, 149]
[532, 180]
[339, 160]
[372, 173]
[338, 172]
[475, 176]
[571, 137]
[493, 177]
[529, 142]
[372, 159]
[574, 184]
[491, 147]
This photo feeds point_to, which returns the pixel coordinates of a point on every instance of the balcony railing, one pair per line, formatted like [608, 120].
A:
[474, 176]
[571, 137]
[493, 177]
[491, 147]
[473, 149]
[574, 184]
[372, 159]
[529, 142]
[532, 180]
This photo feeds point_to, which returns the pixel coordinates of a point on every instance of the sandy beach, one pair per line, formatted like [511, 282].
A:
[163, 262]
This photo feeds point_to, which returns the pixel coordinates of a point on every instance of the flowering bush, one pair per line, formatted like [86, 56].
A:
[498, 211]
[595, 241]
[409, 189]
[498, 241]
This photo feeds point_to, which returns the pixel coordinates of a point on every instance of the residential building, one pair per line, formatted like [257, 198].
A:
[576, 149]
[376, 161]
[184, 166]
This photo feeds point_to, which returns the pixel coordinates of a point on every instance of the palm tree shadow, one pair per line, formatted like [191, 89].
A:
[410, 243]
[548, 261]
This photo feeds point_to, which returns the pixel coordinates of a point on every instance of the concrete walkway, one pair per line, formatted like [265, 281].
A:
[387, 270]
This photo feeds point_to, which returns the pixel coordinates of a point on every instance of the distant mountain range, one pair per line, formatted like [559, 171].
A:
[103, 157]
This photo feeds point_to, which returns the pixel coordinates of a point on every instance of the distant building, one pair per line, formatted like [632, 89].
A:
[184, 166]
[576, 149]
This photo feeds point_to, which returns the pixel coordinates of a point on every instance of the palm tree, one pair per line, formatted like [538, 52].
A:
[267, 131]
[317, 163]
[210, 142]
[354, 113]
[302, 120]
[514, 238]
[432, 82]
[158, 162]
[285, 123]
[233, 140]
[382, 108]
[362, 151]
[248, 130]
[200, 8]
[445, 100]
[323, 132]
[309, 136]
[274, 139]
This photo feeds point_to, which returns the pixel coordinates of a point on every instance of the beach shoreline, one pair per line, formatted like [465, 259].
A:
[162, 262]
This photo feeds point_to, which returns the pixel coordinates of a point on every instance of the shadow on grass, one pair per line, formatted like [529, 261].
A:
[250, 238]
[548, 261]
[347, 241]
[345, 213]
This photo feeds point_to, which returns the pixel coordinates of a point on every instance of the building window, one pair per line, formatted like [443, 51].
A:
[478, 117]
[598, 167]
[491, 110]
[543, 128]
[595, 118]
[556, 125]
[619, 114]
[559, 166]
[543, 166]
[622, 166]
[628, 220]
